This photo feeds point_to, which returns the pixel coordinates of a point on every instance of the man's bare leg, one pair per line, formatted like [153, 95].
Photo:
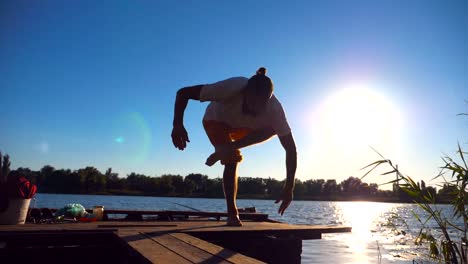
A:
[230, 193]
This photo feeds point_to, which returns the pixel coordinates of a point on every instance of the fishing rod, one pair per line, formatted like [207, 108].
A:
[186, 206]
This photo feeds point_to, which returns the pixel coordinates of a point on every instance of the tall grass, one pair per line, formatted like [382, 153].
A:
[450, 247]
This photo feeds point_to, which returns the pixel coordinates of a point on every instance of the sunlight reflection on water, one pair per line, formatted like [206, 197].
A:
[369, 233]
[382, 232]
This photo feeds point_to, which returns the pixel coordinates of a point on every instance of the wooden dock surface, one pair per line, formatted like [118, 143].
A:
[181, 248]
[212, 228]
[198, 240]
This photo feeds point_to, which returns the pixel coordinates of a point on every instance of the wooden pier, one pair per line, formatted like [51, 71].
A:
[188, 237]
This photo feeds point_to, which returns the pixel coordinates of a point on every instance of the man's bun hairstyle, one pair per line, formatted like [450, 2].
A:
[261, 71]
[260, 84]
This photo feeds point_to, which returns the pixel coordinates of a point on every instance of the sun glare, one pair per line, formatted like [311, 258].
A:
[358, 115]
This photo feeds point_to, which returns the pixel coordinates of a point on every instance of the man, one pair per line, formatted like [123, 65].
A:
[242, 112]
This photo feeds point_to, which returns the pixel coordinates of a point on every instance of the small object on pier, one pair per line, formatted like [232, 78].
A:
[247, 210]
[98, 212]
[134, 217]
[46, 214]
[35, 215]
[73, 210]
[88, 219]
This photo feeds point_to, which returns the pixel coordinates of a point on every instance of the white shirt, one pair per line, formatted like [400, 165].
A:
[226, 106]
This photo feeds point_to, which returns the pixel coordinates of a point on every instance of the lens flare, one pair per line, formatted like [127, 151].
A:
[132, 136]
[43, 147]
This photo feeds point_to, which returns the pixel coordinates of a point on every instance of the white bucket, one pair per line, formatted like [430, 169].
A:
[16, 212]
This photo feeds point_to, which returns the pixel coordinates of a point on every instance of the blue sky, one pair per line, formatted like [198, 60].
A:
[92, 83]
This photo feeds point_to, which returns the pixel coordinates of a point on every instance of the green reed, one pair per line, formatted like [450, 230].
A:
[449, 248]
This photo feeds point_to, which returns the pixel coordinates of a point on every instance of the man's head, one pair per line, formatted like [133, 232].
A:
[257, 93]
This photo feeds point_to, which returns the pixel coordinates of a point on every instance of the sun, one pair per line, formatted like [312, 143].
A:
[358, 115]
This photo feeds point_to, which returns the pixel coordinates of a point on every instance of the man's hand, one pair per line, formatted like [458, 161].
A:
[286, 196]
[179, 137]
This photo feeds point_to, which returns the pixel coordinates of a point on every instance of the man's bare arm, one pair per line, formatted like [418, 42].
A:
[182, 97]
[291, 158]
[179, 134]
[291, 163]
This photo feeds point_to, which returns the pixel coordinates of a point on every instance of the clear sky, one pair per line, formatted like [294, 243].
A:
[92, 83]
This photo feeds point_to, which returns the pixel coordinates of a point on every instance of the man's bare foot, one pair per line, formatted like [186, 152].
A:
[212, 159]
[234, 221]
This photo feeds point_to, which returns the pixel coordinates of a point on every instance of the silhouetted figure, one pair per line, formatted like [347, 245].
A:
[242, 112]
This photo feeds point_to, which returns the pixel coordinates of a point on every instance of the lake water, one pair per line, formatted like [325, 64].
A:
[374, 235]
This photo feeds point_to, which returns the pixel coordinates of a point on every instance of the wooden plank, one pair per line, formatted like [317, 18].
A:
[302, 232]
[205, 227]
[255, 226]
[151, 250]
[216, 250]
[187, 251]
[174, 225]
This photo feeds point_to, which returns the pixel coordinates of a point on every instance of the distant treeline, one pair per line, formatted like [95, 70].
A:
[90, 180]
